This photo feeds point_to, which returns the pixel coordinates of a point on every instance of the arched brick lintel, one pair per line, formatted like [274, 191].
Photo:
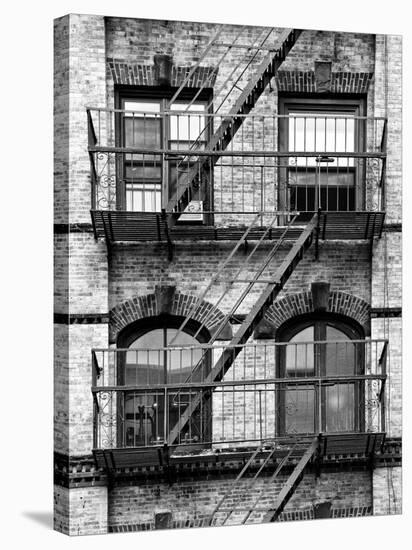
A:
[342, 303]
[151, 305]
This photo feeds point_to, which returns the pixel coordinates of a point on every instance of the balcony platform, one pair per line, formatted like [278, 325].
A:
[347, 446]
[122, 226]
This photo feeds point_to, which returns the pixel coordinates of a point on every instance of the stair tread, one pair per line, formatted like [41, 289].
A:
[243, 105]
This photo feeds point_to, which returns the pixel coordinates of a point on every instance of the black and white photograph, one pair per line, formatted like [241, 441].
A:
[204, 275]
[227, 239]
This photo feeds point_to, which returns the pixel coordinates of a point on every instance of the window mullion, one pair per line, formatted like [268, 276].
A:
[320, 369]
[165, 365]
[164, 144]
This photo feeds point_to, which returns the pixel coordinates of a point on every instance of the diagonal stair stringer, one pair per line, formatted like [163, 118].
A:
[230, 124]
[246, 329]
[299, 454]
[292, 482]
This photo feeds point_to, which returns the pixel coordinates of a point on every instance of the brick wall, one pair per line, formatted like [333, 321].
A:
[61, 388]
[394, 114]
[131, 45]
[61, 120]
[347, 51]
[392, 330]
[80, 262]
[136, 269]
[80, 287]
[72, 380]
[387, 252]
[136, 41]
[387, 491]
[387, 271]
[88, 274]
[80, 511]
[80, 284]
[61, 273]
[80, 73]
[195, 500]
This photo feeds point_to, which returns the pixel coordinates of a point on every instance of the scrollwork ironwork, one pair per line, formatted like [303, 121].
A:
[105, 164]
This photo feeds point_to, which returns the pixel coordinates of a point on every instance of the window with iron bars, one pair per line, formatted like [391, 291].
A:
[145, 121]
[317, 128]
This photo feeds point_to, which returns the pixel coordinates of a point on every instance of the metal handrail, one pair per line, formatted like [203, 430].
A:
[237, 153]
[302, 381]
[247, 344]
[255, 114]
[261, 423]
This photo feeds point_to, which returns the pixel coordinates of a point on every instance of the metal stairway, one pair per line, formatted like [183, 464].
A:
[240, 503]
[266, 298]
[234, 119]
[292, 483]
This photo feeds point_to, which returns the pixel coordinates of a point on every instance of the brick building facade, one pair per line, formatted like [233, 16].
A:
[140, 250]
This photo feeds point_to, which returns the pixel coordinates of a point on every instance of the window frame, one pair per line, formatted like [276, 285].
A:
[139, 328]
[318, 104]
[162, 95]
[320, 321]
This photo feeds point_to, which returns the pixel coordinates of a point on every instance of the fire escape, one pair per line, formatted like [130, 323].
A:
[200, 204]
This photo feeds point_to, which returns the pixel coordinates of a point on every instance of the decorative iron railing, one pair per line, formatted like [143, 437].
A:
[140, 160]
[271, 391]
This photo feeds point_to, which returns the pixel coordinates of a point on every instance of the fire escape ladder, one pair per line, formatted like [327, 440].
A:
[298, 454]
[292, 482]
[283, 462]
[234, 119]
[267, 297]
[195, 307]
[219, 277]
[267, 448]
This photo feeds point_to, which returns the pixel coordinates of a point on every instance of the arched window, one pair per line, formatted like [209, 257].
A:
[320, 347]
[146, 416]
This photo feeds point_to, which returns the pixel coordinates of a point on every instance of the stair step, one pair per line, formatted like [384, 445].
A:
[246, 101]
[266, 298]
[239, 505]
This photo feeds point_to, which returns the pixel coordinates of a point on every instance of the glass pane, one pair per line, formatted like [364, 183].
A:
[142, 132]
[340, 408]
[143, 418]
[182, 362]
[145, 367]
[300, 410]
[142, 365]
[340, 356]
[139, 172]
[145, 106]
[324, 132]
[300, 357]
[340, 398]
[144, 197]
[325, 178]
[186, 146]
[184, 127]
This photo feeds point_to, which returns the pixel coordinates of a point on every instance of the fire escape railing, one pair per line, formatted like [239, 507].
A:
[272, 391]
[251, 175]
